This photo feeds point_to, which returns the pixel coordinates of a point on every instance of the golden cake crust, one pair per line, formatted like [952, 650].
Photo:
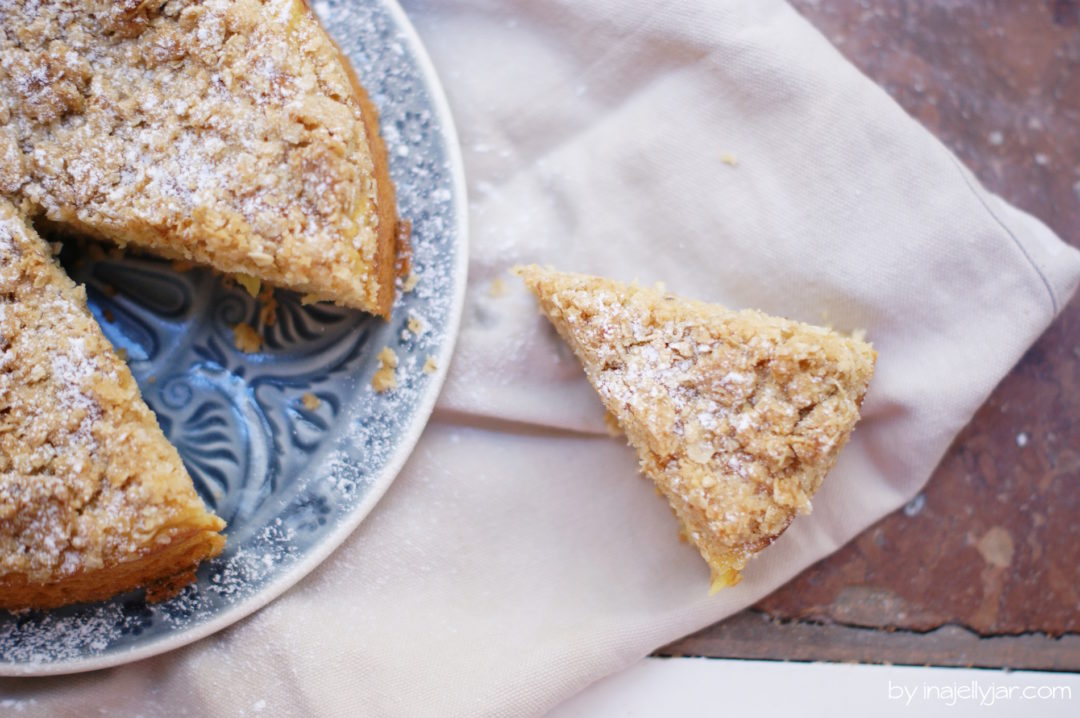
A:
[226, 132]
[93, 499]
[737, 416]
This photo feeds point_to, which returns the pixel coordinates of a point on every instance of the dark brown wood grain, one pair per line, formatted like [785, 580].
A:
[992, 546]
[756, 635]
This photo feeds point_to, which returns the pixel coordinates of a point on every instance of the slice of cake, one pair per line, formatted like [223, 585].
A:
[93, 499]
[231, 133]
[737, 416]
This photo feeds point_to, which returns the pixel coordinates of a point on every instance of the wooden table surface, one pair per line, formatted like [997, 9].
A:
[983, 567]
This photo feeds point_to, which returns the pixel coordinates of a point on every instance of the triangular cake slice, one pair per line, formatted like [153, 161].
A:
[737, 416]
[93, 499]
[231, 133]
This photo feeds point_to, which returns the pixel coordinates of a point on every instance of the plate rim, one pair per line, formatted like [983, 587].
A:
[382, 481]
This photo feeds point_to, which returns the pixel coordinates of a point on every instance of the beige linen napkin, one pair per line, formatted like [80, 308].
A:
[518, 556]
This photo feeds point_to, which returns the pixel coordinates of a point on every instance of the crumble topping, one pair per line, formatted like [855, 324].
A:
[225, 132]
[86, 478]
[737, 416]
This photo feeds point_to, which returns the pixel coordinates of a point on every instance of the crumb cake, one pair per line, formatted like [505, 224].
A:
[736, 416]
[231, 133]
[93, 500]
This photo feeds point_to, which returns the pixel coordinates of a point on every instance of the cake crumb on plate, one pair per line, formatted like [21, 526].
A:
[246, 338]
[385, 378]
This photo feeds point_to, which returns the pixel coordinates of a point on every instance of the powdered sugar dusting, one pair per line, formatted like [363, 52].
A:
[355, 439]
[735, 415]
[72, 370]
[203, 130]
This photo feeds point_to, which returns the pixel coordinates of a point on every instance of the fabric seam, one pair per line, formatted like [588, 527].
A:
[1015, 239]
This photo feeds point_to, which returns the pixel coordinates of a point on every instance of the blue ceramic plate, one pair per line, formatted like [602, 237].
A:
[290, 445]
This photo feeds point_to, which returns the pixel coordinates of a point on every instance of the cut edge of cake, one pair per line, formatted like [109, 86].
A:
[276, 169]
[392, 256]
[94, 501]
[737, 416]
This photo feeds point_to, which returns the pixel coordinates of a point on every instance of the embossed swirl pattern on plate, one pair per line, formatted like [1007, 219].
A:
[238, 419]
[284, 470]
